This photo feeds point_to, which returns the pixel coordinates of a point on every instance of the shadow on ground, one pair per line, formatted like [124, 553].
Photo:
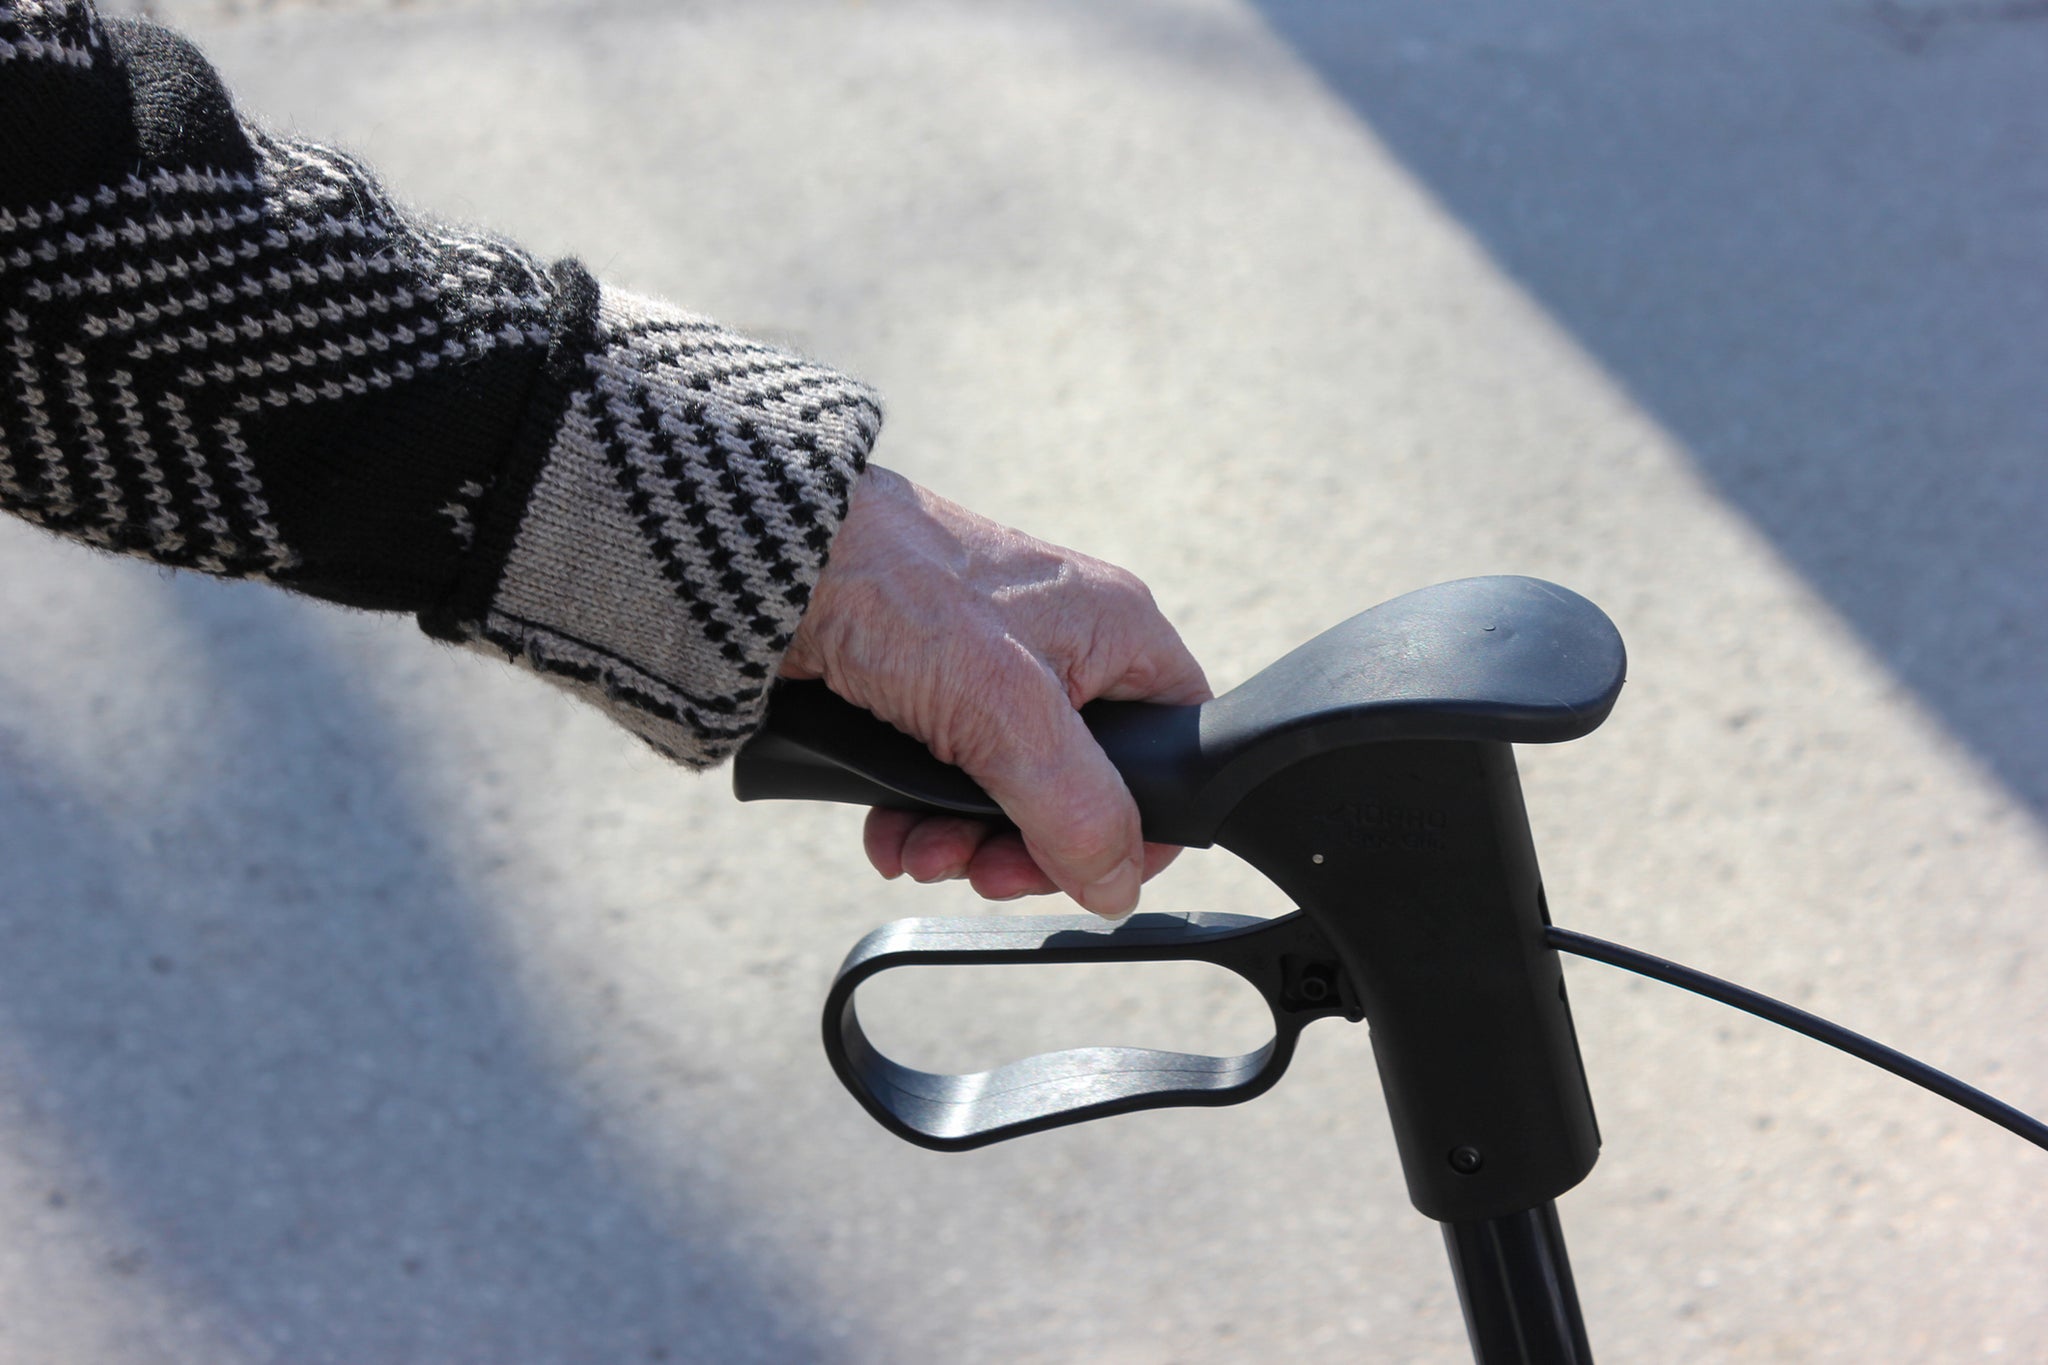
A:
[292, 1086]
[1813, 244]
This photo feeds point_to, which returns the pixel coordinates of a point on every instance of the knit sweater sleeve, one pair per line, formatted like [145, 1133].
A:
[231, 352]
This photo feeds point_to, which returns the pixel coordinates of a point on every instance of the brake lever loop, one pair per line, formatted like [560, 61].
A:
[1286, 960]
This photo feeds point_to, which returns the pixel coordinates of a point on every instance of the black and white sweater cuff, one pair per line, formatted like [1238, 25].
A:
[655, 542]
[234, 352]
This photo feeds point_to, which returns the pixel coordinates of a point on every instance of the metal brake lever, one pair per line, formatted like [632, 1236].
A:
[1287, 960]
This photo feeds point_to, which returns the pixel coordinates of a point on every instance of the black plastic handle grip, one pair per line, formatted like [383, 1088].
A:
[1285, 959]
[816, 747]
[1511, 659]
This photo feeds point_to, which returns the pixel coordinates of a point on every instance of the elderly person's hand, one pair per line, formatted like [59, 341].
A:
[982, 642]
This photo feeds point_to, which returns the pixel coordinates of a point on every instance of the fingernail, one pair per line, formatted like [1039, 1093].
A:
[1115, 895]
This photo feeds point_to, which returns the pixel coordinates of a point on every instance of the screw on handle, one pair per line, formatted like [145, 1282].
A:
[1285, 959]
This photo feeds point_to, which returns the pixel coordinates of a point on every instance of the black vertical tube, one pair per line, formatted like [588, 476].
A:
[1515, 1285]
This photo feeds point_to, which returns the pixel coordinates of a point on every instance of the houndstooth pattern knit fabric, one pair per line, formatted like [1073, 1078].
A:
[692, 468]
[231, 352]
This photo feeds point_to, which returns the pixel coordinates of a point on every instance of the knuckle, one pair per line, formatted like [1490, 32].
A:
[1132, 588]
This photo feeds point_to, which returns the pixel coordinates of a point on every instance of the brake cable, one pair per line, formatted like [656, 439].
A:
[1800, 1021]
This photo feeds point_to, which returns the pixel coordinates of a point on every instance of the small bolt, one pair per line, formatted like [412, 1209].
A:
[1466, 1160]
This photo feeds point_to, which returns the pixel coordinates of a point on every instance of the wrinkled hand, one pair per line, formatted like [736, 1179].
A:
[982, 642]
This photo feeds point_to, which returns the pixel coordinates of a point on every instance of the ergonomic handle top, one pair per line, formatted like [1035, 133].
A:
[1512, 659]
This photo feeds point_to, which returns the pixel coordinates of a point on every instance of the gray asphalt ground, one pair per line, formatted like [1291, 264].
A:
[361, 1001]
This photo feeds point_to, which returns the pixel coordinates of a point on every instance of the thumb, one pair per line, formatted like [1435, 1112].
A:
[1077, 818]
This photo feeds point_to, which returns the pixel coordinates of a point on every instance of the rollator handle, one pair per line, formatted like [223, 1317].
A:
[1505, 659]
[1367, 774]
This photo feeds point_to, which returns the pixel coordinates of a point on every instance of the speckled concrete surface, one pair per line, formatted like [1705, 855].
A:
[364, 1002]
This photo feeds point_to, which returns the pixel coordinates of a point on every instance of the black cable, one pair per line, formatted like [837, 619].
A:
[1799, 1021]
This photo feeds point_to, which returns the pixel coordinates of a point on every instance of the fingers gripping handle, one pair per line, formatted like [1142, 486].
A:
[815, 746]
[1285, 959]
[1507, 660]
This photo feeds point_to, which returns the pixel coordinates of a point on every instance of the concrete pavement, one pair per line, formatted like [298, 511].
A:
[364, 1002]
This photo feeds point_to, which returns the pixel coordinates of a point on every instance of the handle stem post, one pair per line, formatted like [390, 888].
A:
[1515, 1287]
[1415, 860]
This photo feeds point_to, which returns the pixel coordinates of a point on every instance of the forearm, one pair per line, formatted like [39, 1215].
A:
[230, 352]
